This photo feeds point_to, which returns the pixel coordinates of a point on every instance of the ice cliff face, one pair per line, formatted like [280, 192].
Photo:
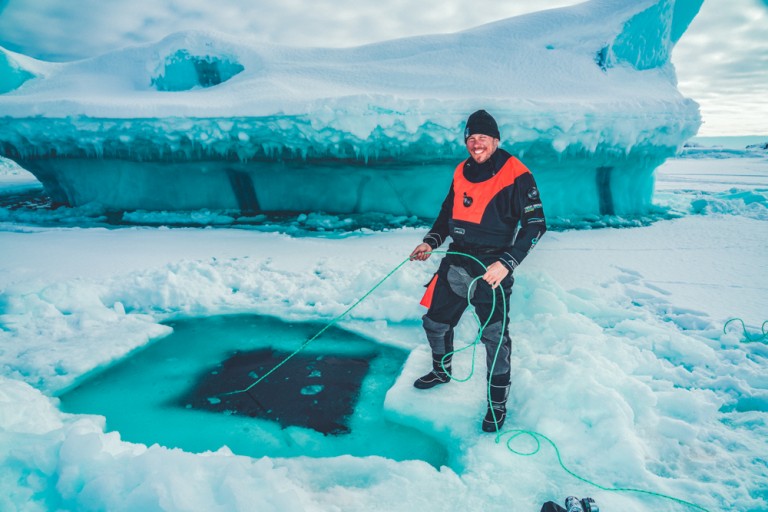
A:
[585, 95]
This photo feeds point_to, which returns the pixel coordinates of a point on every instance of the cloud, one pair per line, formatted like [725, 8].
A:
[722, 62]
[66, 30]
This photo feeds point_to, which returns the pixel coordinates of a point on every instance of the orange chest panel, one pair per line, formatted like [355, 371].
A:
[470, 200]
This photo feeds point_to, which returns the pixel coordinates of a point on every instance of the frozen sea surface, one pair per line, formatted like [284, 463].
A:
[619, 353]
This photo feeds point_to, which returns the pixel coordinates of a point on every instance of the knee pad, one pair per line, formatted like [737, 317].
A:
[459, 280]
[497, 357]
[439, 335]
[492, 333]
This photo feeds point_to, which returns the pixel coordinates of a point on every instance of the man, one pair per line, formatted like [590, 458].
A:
[492, 212]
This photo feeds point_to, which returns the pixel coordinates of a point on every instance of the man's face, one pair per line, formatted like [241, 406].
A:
[481, 147]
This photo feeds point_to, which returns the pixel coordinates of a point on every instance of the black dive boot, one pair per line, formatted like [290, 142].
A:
[497, 405]
[438, 375]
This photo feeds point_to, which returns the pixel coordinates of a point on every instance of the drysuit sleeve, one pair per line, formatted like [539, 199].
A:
[526, 205]
[439, 231]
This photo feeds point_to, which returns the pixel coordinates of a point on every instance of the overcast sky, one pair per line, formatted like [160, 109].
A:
[721, 62]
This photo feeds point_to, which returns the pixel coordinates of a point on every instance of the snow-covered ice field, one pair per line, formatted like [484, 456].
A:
[625, 376]
[619, 357]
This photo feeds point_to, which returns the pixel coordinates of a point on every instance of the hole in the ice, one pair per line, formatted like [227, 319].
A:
[327, 400]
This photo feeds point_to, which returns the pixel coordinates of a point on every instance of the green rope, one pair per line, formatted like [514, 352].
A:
[320, 332]
[536, 436]
[481, 328]
[747, 338]
[472, 345]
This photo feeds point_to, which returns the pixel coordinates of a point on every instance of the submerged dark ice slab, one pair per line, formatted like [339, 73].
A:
[316, 391]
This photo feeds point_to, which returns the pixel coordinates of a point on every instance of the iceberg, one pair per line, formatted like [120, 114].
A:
[585, 95]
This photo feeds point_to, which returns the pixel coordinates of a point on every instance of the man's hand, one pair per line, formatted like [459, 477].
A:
[496, 273]
[421, 252]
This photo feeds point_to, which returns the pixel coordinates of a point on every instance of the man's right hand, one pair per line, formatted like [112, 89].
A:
[421, 252]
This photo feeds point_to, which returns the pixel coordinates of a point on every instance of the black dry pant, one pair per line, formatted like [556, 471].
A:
[449, 302]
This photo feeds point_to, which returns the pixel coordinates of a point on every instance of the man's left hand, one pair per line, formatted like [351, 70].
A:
[495, 274]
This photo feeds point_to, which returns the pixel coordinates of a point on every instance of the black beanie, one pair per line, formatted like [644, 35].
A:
[481, 122]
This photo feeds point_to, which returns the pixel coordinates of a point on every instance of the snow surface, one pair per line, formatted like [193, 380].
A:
[619, 351]
[619, 346]
[525, 52]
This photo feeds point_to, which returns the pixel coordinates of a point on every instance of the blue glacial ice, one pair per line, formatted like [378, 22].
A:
[12, 71]
[200, 120]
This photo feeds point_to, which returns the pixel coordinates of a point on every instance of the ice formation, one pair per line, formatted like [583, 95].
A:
[585, 95]
[12, 73]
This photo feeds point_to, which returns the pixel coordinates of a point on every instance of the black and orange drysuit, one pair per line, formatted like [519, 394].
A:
[493, 212]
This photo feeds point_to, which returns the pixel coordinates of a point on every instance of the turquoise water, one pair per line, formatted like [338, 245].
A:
[150, 396]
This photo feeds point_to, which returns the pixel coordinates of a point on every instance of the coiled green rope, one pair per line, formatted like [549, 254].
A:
[538, 437]
[514, 433]
[747, 338]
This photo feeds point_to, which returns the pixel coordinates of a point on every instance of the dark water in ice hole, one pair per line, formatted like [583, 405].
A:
[325, 401]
